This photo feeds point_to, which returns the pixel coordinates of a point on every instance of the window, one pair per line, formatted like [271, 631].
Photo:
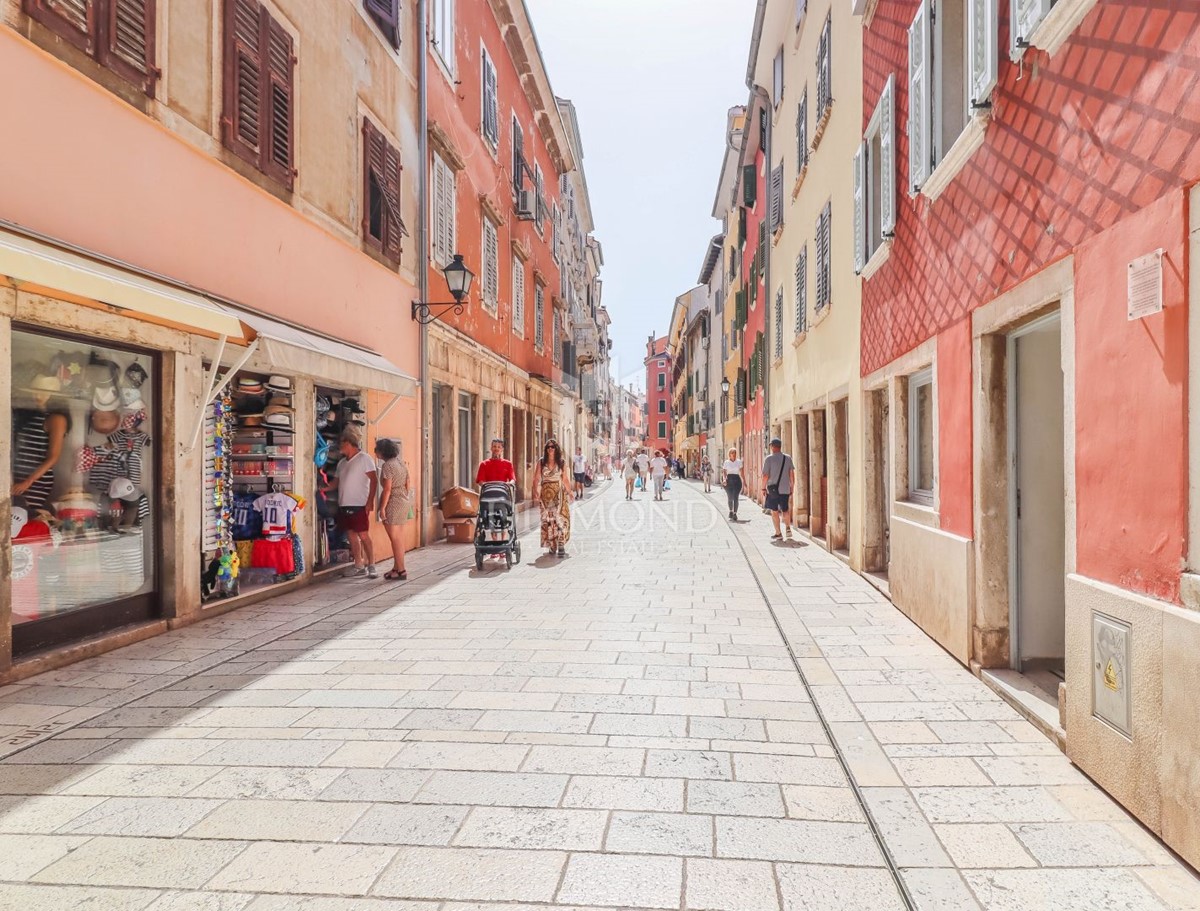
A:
[386, 14]
[382, 227]
[952, 69]
[119, 34]
[875, 180]
[466, 443]
[518, 154]
[662, 381]
[778, 330]
[777, 197]
[491, 265]
[556, 224]
[490, 123]
[802, 291]
[442, 28]
[518, 304]
[259, 88]
[443, 199]
[662, 430]
[662, 406]
[777, 82]
[920, 437]
[539, 318]
[802, 133]
[825, 68]
[801, 9]
[824, 267]
[539, 211]
[1026, 16]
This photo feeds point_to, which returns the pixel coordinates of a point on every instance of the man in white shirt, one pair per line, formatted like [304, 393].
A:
[579, 467]
[658, 468]
[643, 467]
[355, 482]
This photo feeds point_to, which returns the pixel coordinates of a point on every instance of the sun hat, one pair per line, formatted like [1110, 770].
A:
[249, 385]
[105, 398]
[131, 399]
[124, 489]
[44, 383]
[101, 371]
[279, 384]
[280, 420]
[135, 374]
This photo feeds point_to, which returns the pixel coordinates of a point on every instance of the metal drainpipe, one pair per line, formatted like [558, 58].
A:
[423, 264]
[768, 298]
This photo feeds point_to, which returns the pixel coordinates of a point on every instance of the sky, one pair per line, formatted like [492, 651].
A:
[652, 81]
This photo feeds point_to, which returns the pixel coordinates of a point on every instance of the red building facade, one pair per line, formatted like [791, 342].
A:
[1036, 479]
[659, 423]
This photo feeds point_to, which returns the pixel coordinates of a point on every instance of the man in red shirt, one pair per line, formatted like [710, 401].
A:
[496, 468]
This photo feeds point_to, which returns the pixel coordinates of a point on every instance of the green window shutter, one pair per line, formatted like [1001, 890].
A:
[739, 309]
[741, 225]
[750, 185]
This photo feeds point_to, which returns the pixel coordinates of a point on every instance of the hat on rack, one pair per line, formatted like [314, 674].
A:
[279, 384]
[124, 489]
[249, 385]
[279, 420]
[135, 374]
[250, 420]
[131, 399]
[105, 398]
[250, 404]
[20, 516]
[76, 504]
[280, 401]
[44, 384]
[101, 371]
[322, 410]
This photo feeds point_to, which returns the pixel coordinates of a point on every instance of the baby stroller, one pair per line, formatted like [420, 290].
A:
[496, 532]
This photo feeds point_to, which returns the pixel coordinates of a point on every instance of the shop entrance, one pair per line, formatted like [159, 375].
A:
[802, 495]
[1037, 514]
[839, 506]
[877, 468]
[818, 483]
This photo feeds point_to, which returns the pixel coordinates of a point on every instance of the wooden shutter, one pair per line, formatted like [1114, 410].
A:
[386, 14]
[919, 129]
[1026, 15]
[278, 156]
[393, 243]
[244, 114]
[802, 133]
[749, 185]
[777, 84]
[129, 43]
[824, 69]
[887, 158]
[518, 162]
[518, 305]
[818, 249]
[382, 165]
[741, 225]
[860, 207]
[490, 120]
[802, 291]
[779, 322]
[373, 155]
[777, 197]
[77, 21]
[983, 37]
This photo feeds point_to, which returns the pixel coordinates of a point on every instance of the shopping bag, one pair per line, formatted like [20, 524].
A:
[638, 482]
[666, 485]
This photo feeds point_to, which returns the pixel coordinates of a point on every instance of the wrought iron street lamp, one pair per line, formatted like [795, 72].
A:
[724, 385]
[458, 280]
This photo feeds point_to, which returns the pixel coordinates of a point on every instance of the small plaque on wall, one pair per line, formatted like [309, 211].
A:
[1145, 285]
[1110, 672]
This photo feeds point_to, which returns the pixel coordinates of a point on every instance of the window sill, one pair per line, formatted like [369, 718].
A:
[1062, 20]
[878, 258]
[820, 315]
[822, 123]
[799, 181]
[799, 339]
[916, 511]
[956, 158]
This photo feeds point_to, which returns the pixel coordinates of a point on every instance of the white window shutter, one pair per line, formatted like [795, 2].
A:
[887, 158]
[860, 214]
[436, 216]
[919, 130]
[450, 207]
[1026, 15]
[983, 31]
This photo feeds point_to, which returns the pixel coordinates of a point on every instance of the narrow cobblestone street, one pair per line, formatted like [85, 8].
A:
[625, 728]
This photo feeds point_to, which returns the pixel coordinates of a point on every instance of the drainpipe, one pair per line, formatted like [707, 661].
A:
[423, 264]
[768, 296]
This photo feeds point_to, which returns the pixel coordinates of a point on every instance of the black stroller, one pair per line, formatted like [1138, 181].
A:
[496, 532]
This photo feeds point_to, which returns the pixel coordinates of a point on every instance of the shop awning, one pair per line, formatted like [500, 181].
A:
[293, 350]
[56, 268]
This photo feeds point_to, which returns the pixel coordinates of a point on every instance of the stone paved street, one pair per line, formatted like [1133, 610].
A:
[624, 728]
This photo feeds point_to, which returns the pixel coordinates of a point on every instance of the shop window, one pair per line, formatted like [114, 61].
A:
[119, 34]
[85, 482]
[468, 456]
[383, 228]
[921, 451]
[259, 78]
[386, 15]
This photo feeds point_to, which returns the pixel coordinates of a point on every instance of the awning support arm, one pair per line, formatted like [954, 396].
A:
[387, 408]
[212, 387]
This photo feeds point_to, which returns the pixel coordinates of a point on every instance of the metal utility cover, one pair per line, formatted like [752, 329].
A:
[1110, 672]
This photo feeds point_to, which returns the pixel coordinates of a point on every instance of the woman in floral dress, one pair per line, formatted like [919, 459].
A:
[552, 485]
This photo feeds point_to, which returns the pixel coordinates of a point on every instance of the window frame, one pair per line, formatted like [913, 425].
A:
[442, 16]
[390, 243]
[443, 202]
[386, 16]
[489, 279]
[662, 430]
[662, 406]
[881, 127]
[518, 302]
[539, 317]
[489, 99]
[98, 38]
[916, 382]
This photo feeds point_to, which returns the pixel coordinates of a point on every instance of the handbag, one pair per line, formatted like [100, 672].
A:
[773, 489]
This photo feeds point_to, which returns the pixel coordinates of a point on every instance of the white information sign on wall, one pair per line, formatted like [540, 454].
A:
[1145, 285]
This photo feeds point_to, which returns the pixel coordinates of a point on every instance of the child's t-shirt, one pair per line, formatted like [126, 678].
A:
[276, 509]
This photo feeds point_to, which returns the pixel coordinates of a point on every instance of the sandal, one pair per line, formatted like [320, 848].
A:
[394, 576]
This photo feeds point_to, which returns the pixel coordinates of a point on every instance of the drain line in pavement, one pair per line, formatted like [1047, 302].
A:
[876, 833]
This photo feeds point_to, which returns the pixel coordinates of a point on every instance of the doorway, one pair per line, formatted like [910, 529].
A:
[801, 495]
[877, 474]
[1037, 511]
[818, 485]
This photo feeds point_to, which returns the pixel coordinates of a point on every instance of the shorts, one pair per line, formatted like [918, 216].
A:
[778, 502]
[354, 519]
[580, 477]
[276, 555]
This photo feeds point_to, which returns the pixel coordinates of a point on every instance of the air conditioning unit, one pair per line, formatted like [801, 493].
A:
[526, 203]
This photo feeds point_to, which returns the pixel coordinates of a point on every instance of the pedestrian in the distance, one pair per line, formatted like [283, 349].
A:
[731, 476]
[778, 476]
[579, 467]
[395, 502]
[630, 474]
[553, 486]
[356, 482]
[706, 472]
[658, 468]
[643, 464]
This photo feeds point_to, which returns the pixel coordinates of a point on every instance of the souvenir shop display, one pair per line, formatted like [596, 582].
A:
[82, 466]
[335, 411]
[251, 462]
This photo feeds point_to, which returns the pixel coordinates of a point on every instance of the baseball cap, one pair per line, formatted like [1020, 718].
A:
[775, 441]
[123, 489]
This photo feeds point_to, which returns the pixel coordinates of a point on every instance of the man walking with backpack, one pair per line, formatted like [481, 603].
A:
[779, 476]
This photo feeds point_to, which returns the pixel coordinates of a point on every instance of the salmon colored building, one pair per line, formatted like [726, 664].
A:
[1028, 224]
[659, 423]
[205, 276]
[498, 151]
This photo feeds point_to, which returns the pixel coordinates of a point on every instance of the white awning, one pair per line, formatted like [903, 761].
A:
[290, 349]
[54, 268]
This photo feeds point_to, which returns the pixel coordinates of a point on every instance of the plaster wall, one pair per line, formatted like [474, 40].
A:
[930, 580]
